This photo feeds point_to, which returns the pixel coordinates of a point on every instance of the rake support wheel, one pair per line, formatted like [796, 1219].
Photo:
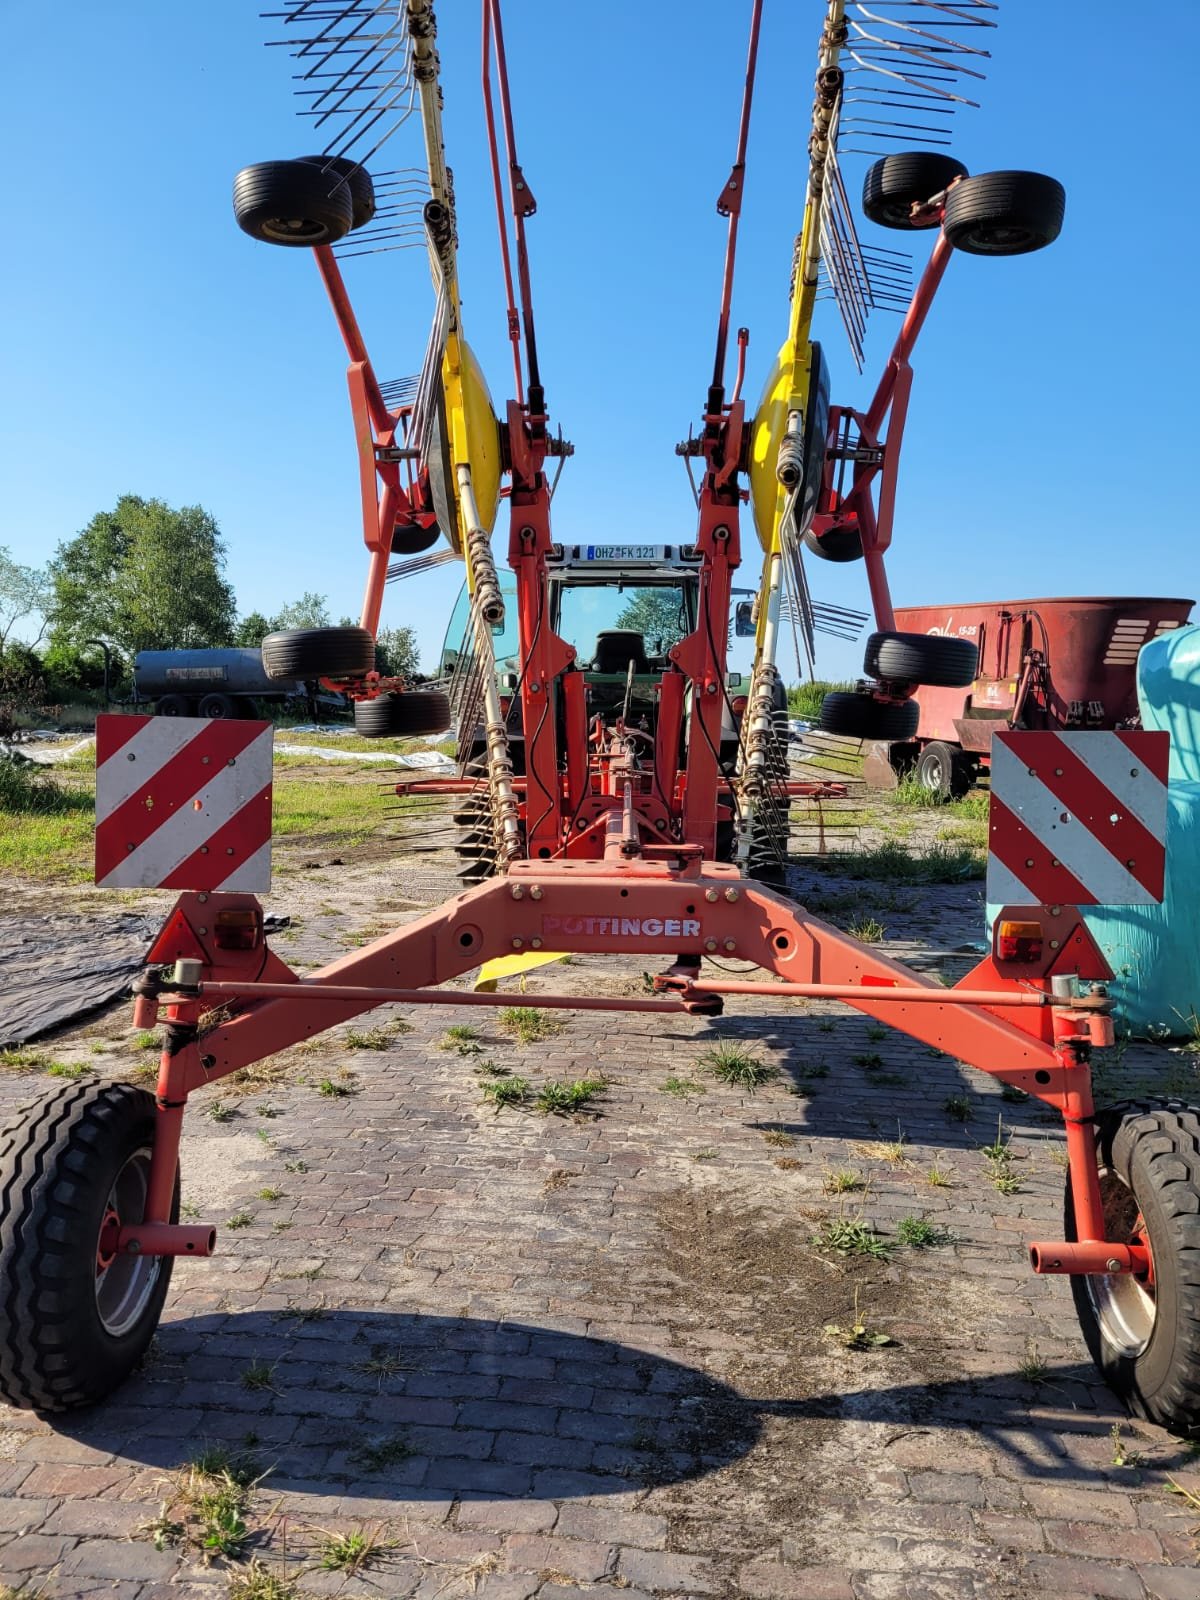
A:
[338, 169]
[839, 544]
[935, 659]
[318, 653]
[292, 203]
[73, 1323]
[894, 184]
[861, 716]
[407, 714]
[1004, 213]
[1145, 1337]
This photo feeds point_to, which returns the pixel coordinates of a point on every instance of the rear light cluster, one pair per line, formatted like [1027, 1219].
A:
[739, 704]
[1019, 941]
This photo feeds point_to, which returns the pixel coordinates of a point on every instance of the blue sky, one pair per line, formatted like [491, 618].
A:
[151, 347]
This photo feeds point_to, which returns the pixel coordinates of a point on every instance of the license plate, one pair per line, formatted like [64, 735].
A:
[626, 552]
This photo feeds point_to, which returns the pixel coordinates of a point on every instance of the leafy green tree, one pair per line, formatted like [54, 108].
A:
[24, 592]
[396, 654]
[252, 630]
[143, 576]
[658, 615]
[310, 611]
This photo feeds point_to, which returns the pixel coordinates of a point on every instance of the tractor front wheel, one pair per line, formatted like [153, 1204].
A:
[1144, 1334]
[77, 1316]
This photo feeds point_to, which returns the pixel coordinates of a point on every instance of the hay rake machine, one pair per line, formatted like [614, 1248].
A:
[607, 833]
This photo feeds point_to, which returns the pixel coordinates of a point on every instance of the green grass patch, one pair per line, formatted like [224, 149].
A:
[941, 862]
[509, 1091]
[847, 1236]
[562, 1099]
[921, 1234]
[682, 1088]
[733, 1064]
[527, 1024]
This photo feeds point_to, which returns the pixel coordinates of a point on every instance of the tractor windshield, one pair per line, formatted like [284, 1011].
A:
[661, 613]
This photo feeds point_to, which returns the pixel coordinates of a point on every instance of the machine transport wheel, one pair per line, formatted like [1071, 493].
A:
[896, 183]
[861, 716]
[943, 771]
[318, 653]
[218, 706]
[1004, 213]
[929, 658]
[291, 203]
[1145, 1335]
[76, 1321]
[412, 541]
[173, 705]
[839, 544]
[362, 190]
[412, 712]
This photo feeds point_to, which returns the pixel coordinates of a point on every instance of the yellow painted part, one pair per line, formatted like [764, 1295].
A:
[513, 967]
[473, 431]
[786, 390]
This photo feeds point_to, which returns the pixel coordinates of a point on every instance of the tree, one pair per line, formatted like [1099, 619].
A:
[143, 577]
[252, 630]
[24, 592]
[658, 615]
[396, 654]
[310, 611]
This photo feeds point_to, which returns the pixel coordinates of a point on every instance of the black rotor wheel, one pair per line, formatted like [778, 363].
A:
[838, 544]
[896, 183]
[405, 714]
[938, 660]
[860, 716]
[291, 203]
[1004, 213]
[318, 653]
[362, 191]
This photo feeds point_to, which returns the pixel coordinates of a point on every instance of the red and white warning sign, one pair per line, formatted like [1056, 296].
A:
[1078, 818]
[183, 803]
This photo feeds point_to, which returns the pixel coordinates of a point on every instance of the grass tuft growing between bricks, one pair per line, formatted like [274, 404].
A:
[921, 1234]
[857, 1335]
[958, 1108]
[682, 1088]
[1032, 1367]
[527, 1024]
[352, 1552]
[736, 1065]
[373, 1455]
[258, 1582]
[461, 1038]
[508, 1091]
[851, 1236]
[843, 1180]
[565, 1099]
[206, 1509]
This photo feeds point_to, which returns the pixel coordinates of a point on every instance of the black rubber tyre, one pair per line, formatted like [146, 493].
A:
[1004, 213]
[291, 203]
[415, 711]
[896, 183]
[411, 541]
[318, 653]
[71, 1327]
[941, 770]
[173, 705]
[1146, 1341]
[929, 658]
[860, 716]
[839, 544]
[218, 706]
[362, 190]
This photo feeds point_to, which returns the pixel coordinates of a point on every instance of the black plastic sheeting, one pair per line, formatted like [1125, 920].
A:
[54, 970]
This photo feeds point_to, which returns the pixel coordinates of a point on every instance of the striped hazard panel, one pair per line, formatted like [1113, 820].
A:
[1078, 818]
[183, 803]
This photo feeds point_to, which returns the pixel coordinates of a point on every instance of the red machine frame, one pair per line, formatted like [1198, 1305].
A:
[620, 857]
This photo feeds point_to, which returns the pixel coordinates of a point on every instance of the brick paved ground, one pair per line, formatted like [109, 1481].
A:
[564, 1358]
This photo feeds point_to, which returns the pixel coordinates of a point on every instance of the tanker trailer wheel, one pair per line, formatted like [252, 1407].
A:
[172, 705]
[218, 706]
[77, 1318]
[1144, 1335]
[318, 653]
[930, 658]
[362, 191]
[839, 544]
[942, 771]
[1004, 213]
[292, 203]
[861, 716]
[895, 184]
[406, 714]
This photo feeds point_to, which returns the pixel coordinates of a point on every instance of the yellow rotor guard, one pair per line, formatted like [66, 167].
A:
[474, 433]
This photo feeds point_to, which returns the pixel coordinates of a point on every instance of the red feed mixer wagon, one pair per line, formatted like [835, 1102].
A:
[1064, 663]
[619, 830]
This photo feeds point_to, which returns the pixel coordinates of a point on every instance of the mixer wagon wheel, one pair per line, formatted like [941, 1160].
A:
[839, 544]
[930, 658]
[1004, 213]
[362, 190]
[77, 1316]
[943, 771]
[896, 183]
[407, 714]
[861, 716]
[318, 653]
[291, 203]
[1144, 1334]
